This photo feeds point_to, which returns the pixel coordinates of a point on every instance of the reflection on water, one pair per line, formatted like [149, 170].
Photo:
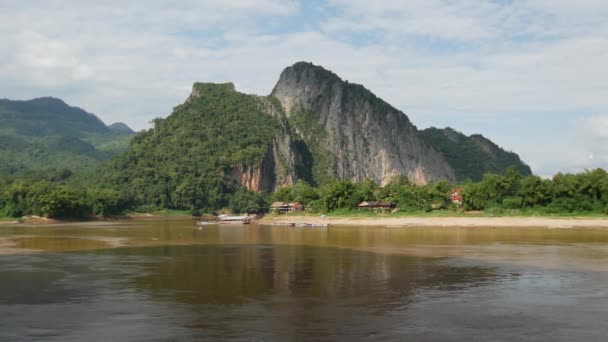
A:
[221, 291]
[167, 280]
[238, 274]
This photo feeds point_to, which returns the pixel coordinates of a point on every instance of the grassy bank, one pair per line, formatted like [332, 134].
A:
[130, 214]
[7, 219]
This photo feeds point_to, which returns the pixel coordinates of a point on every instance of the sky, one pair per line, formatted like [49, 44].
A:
[530, 75]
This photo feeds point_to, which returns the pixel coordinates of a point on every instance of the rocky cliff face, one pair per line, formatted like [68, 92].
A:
[352, 134]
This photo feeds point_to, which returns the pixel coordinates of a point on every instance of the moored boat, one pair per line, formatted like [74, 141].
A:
[244, 219]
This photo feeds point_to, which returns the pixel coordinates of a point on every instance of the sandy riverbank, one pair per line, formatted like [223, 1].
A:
[405, 221]
[445, 221]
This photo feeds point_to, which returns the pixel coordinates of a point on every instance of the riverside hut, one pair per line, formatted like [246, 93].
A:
[456, 196]
[284, 207]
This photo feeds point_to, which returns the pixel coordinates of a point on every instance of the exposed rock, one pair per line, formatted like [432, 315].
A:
[361, 135]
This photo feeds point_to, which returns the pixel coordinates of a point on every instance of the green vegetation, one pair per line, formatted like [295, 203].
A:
[472, 157]
[187, 160]
[315, 160]
[511, 194]
[56, 200]
[45, 136]
[345, 195]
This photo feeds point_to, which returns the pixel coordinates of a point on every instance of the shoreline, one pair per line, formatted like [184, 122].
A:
[487, 222]
[396, 222]
[42, 221]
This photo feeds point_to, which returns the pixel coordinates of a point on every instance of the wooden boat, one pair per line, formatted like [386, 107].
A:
[244, 219]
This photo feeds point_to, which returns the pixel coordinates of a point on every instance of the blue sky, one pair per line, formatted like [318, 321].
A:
[531, 75]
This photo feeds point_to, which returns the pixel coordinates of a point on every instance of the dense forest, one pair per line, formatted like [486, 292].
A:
[44, 137]
[185, 161]
[510, 193]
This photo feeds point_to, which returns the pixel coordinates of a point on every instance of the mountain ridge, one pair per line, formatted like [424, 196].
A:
[472, 156]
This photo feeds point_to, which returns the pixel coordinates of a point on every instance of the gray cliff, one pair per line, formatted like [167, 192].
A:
[352, 134]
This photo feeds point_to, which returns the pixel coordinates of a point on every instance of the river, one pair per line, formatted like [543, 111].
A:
[166, 279]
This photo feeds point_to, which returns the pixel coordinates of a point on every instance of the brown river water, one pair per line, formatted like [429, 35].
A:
[168, 280]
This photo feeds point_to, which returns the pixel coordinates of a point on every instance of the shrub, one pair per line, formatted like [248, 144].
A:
[512, 202]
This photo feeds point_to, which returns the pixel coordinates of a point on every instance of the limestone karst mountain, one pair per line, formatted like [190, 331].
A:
[313, 126]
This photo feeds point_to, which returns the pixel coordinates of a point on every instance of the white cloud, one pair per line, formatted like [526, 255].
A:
[461, 20]
[434, 59]
[598, 125]
[594, 135]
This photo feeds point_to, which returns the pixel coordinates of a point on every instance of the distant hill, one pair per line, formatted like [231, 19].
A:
[121, 128]
[47, 116]
[472, 156]
[47, 136]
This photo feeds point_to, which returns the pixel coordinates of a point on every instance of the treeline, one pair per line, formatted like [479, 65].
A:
[564, 193]
[57, 200]
[585, 192]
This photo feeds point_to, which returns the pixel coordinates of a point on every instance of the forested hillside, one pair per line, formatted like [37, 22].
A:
[188, 160]
[46, 138]
[472, 156]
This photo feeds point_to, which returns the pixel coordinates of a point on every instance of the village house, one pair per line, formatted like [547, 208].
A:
[284, 207]
[456, 196]
[371, 205]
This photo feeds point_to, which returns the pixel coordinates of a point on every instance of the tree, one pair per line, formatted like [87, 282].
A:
[284, 194]
[246, 201]
[304, 193]
[535, 191]
[106, 202]
[336, 195]
[62, 202]
[363, 191]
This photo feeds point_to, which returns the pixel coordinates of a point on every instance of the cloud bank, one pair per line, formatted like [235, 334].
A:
[527, 74]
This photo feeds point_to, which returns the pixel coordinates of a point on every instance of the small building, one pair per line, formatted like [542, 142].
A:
[276, 207]
[284, 207]
[295, 206]
[456, 196]
[376, 205]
